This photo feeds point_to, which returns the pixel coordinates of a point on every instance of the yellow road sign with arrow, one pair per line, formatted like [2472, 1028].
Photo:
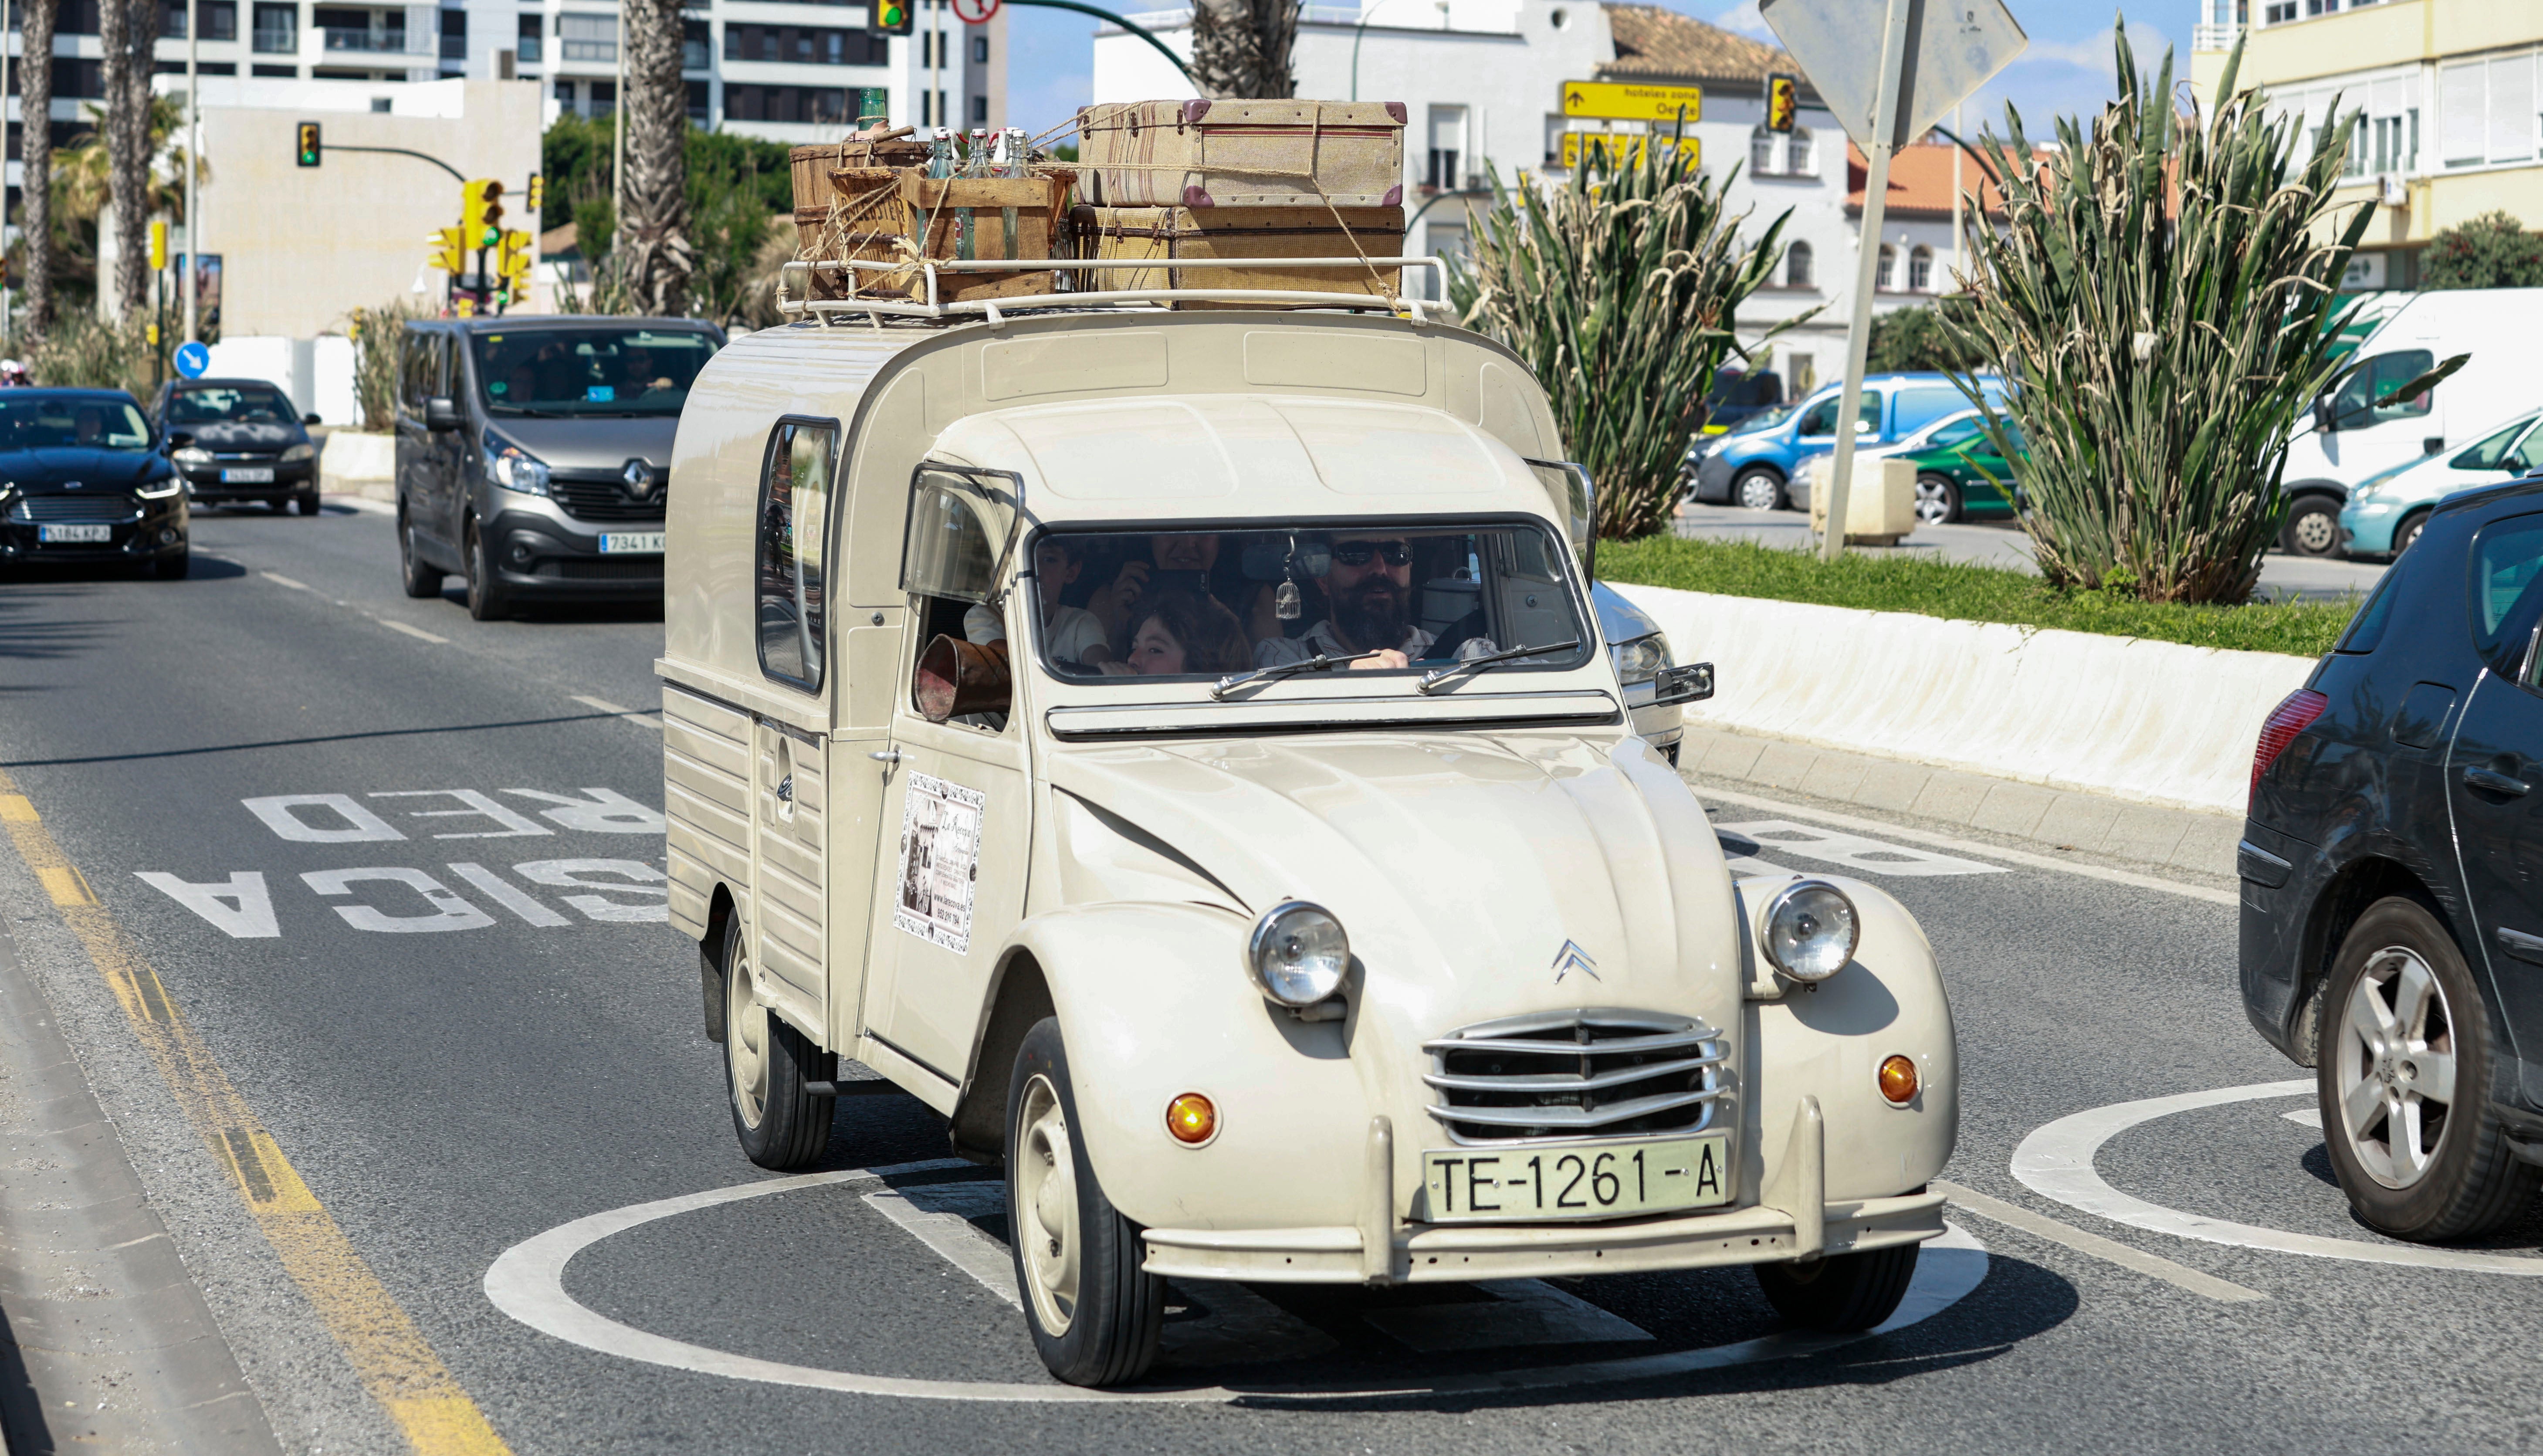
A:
[1620, 101]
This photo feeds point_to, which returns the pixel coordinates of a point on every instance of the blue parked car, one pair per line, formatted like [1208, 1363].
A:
[2385, 513]
[1758, 464]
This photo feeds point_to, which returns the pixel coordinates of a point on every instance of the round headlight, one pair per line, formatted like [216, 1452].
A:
[1641, 659]
[1811, 929]
[1298, 953]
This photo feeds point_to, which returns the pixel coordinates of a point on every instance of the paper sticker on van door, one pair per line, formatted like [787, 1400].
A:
[939, 861]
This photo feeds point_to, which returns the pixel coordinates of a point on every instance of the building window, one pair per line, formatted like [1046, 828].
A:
[695, 46]
[454, 34]
[1885, 279]
[278, 73]
[820, 104]
[2489, 110]
[1797, 266]
[527, 46]
[278, 30]
[587, 37]
[979, 50]
[1920, 270]
[565, 94]
[800, 45]
[219, 17]
[1447, 145]
[1761, 153]
[604, 97]
[697, 91]
[1801, 153]
[979, 110]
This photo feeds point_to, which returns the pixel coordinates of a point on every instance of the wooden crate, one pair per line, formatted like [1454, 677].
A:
[1193, 235]
[1242, 153]
[812, 165]
[898, 215]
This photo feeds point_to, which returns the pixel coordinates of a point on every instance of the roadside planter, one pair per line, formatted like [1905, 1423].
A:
[1252, 949]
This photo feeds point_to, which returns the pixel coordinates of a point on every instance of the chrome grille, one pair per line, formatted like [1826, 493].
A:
[1577, 1074]
[110, 508]
[604, 497]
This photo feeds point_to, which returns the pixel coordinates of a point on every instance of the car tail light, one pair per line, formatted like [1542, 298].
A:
[2290, 718]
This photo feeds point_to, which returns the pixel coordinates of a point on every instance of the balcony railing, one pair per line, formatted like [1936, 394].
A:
[380, 42]
[2215, 36]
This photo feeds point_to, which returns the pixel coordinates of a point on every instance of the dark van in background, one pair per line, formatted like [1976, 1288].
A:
[533, 455]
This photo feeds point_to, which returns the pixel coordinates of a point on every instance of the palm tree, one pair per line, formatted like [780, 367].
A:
[655, 254]
[1241, 48]
[129, 32]
[35, 215]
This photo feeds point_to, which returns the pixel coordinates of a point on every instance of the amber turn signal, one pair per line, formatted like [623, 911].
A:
[1898, 1080]
[1192, 1120]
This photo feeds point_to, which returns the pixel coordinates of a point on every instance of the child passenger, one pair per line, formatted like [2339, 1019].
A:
[1076, 639]
[1181, 632]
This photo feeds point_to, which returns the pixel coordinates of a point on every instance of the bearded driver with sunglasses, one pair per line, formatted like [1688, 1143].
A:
[1371, 586]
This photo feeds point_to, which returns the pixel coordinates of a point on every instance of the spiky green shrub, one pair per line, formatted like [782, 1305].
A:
[1618, 289]
[84, 351]
[2160, 297]
[377, 333]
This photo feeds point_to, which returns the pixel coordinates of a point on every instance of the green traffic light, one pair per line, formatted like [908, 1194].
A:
[493, 237]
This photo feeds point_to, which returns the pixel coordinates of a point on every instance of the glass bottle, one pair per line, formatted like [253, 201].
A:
[940, 154]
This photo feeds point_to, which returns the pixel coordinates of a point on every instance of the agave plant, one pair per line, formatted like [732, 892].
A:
[1618, 289]
[2162, 298]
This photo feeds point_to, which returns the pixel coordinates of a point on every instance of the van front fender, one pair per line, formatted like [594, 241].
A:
[1153, 1002]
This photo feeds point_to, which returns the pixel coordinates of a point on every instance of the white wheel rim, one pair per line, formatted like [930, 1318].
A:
[2313, 530]
[745, 1043]
[1757, 492]
[2395, 1068]
[1045, 1195]
[1932, 505]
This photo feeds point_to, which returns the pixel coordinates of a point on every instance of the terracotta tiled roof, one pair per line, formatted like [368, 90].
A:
[1652, 43]
[1921, 180]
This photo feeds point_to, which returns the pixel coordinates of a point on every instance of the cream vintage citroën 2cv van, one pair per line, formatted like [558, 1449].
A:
[1175, 745]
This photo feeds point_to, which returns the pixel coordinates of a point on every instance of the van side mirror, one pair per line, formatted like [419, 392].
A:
[179, 439]
[441, 412]
[2324, 422]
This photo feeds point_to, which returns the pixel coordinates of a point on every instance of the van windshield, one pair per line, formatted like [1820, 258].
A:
[592, 371]
[1194, 604]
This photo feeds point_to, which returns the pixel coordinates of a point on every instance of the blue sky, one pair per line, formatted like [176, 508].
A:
[2066, 69]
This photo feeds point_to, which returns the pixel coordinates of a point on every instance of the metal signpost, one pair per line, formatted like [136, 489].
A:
[1933, 54]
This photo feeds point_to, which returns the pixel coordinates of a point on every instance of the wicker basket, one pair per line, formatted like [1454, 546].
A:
[898, 215]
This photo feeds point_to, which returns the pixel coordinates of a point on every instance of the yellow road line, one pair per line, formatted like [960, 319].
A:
[396, 1364]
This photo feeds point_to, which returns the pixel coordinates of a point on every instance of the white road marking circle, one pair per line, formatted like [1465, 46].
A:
[527, 1282]
[2056, 1161]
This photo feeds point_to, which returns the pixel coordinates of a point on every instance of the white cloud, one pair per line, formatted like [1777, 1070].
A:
[1745, 19]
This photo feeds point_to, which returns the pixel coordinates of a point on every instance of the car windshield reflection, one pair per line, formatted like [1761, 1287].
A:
[1211, 604]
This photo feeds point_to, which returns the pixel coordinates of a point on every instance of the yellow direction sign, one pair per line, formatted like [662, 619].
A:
[1623, 148]
[1619, 100]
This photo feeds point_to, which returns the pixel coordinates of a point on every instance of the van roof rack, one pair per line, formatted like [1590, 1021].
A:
[828, 310]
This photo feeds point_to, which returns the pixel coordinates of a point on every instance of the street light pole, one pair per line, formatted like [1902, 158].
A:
[194, 166]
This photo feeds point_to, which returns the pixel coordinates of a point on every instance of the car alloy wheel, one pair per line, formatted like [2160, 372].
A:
[2395, 1074]
[1758, 490]
[2408, 532]
[1938, 501]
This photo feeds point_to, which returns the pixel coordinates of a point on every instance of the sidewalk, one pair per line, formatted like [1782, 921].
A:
[2182, 842]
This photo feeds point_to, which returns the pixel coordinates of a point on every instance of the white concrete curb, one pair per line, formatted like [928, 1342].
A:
[2149, 722]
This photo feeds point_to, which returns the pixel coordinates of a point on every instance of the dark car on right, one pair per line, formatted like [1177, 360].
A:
[2392, 877]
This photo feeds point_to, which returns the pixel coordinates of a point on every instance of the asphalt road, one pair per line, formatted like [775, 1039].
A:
[446, 1096]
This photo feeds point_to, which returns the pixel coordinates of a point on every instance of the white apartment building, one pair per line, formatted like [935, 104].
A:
[2447, 97]
[1481, 79]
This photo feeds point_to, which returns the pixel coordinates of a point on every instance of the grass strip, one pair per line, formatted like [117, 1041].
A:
[1958, 590]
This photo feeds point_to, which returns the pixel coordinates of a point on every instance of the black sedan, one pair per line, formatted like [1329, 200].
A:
[82, 478]
[2392, 877]
[246, 443]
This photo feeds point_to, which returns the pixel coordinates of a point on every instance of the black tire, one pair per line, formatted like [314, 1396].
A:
[2312, 527]
[488, 601]
[173, 567]
[1938, 500]
[306, 502]
[766, 1064]
[1758, 489]
[1114, 1312]
[420, 580]
[2463, 1181]
[2408, 532]
[1841, 1293]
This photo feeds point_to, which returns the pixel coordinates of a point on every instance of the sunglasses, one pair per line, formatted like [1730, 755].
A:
[1358, 553]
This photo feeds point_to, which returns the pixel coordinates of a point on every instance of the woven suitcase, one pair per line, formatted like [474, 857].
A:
[812, 165]
[898, 215]
[1193, 235]
[1242, 153]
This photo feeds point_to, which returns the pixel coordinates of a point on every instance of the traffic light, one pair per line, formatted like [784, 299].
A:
[449, 253]
[890, 16]
[158, 244]
[1783, 103]
[481, 212]
[538, 191]
[512, 261]
[310, 148]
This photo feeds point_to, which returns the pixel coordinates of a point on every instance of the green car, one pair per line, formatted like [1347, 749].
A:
[1959, 474]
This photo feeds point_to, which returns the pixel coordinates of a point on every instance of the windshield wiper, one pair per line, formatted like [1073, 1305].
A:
[1279, 670]
[1431, 682]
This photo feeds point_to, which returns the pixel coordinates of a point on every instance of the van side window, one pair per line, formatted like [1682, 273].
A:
[794, 533]
[2356, 407]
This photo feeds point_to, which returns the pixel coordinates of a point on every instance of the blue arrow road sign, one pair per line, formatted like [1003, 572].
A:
[193, 359]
